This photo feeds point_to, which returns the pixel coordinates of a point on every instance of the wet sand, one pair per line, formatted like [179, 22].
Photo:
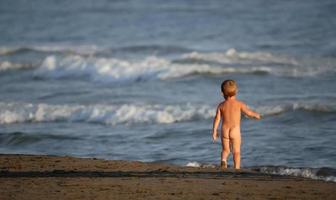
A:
[53, 177]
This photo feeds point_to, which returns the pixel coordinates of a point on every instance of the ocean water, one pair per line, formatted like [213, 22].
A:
[140, 80]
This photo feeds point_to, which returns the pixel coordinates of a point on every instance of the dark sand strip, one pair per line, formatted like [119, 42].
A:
[151, 174]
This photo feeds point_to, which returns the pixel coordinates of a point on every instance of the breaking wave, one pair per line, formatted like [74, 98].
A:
[6, 65]
[116, 70]
[153, 68]
[297, 106]
[101, 65]
[233, 56]
[104, 114]
[278, 65]
[131, 113]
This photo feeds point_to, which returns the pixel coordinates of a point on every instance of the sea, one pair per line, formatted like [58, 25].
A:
[140, 80]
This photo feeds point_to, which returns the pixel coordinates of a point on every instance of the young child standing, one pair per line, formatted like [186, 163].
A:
[230, 112]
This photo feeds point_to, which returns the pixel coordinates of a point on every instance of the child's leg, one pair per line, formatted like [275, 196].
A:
[235, 139]
[236, 152]
[225, 149]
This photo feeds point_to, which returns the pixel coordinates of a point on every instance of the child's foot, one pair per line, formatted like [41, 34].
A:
[223, 164]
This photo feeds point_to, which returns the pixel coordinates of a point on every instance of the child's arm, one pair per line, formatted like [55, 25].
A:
[215, 124]
[250, 113]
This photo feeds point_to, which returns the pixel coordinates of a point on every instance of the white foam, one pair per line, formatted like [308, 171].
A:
[197, 164]
[80, 60]
[299, 172]
[105, 114]
[102, 69]
[153, 68]
[7, 50]
[309, 173]
[293, 106]
[131, 113]
[79, 49]
[284, 65]
[116, 70]
[193, 164]
[6, 65]
[233, 56]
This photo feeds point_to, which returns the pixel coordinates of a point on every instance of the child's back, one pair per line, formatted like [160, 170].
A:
[230, 111]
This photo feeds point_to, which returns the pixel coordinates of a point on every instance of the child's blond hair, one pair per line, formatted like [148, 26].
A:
[229, 88]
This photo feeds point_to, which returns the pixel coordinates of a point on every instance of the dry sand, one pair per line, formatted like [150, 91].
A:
[52, 177]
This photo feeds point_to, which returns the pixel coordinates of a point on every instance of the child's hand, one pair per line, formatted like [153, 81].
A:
[258, 116]
[214, 136]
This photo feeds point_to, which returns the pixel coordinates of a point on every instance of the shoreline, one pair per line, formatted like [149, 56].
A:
[55, 177]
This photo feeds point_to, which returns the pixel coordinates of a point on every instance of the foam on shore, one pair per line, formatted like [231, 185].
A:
[324, 173]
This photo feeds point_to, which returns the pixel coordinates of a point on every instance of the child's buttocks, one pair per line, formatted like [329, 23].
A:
[231, 132]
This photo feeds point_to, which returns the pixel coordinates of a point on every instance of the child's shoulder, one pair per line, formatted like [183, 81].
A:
[235, 100]
[242, 104]
[221, 104]
[239, 101]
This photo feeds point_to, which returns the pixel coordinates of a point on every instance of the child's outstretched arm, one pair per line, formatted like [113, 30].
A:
[250, 113]
[215, 124]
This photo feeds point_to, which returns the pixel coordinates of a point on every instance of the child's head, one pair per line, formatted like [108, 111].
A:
[229, 88]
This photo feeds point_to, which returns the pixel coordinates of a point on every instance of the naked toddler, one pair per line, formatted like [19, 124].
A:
[230, 112]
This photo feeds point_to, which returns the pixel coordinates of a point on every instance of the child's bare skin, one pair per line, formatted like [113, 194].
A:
[230, 113]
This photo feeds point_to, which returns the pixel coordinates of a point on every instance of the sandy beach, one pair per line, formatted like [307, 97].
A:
[53, 177]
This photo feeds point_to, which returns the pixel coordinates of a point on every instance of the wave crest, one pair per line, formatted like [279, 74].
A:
[116, 70]
[130, 113]
[98, 65]
[233, 56]
[67, 49]
[294, 106]
[104, 114]
[6, 65]
[87, 50]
